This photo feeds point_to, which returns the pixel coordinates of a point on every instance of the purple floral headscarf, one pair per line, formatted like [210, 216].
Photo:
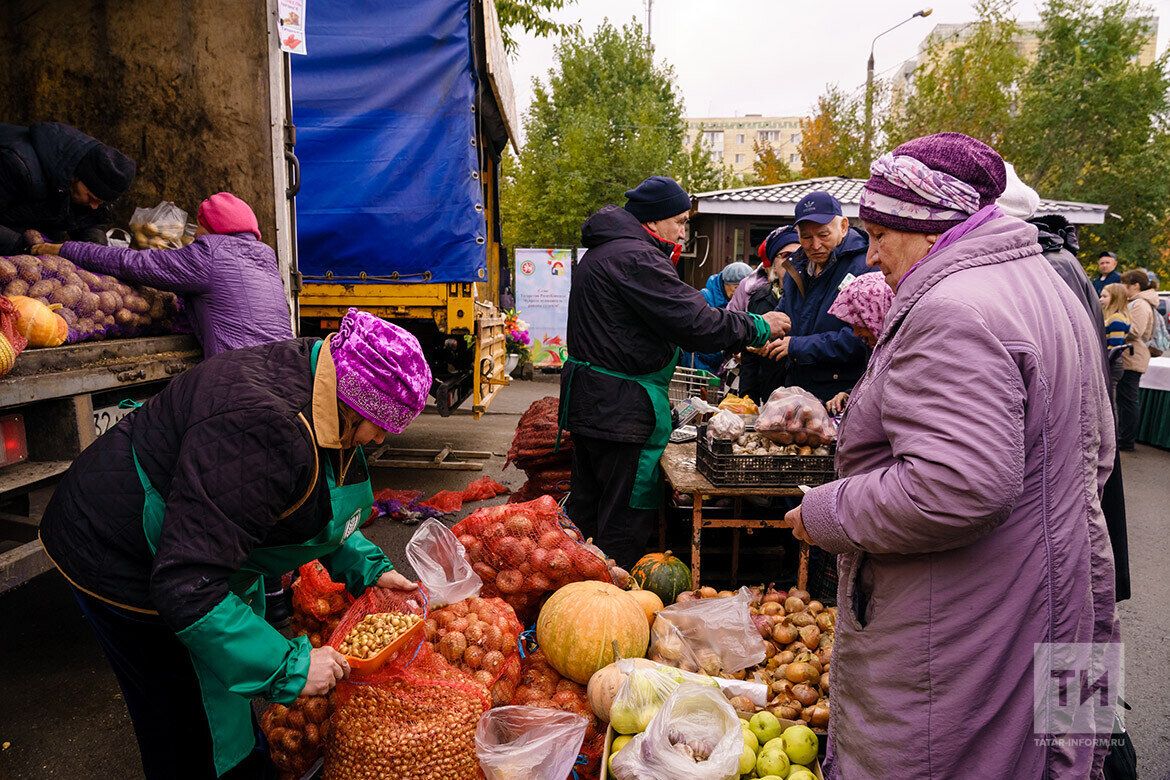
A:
[864, 302]
[381, 371]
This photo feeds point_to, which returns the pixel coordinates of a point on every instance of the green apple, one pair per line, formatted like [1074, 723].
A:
[771, 777]
[765, 726]
[772, 761]
[773, 744]
[749, 739]
[619, 743]
[747, 760]
[800, 743]
[799, 772]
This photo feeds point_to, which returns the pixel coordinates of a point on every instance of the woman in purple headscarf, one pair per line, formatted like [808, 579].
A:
[974, 563]
[249, 464]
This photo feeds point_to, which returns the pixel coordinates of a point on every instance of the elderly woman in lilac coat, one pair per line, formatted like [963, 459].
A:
[968, 522]
[227, 277]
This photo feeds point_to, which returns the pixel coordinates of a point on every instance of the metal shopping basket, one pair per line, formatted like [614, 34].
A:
[695, 383]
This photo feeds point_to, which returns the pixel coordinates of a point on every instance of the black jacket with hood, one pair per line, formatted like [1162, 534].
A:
[628, 310]
[37, 164]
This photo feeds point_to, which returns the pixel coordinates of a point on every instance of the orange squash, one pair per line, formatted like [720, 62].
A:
[584, 624]
[663, 574]
[38, 323]
[648, 600]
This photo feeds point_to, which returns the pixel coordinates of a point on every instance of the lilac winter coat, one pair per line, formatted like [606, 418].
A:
[968, 519]
[231, 284]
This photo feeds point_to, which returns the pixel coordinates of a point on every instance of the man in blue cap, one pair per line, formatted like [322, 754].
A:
[819, 352]
[629, 314]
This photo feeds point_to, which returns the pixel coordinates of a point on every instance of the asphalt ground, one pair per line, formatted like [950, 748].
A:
[61, 715]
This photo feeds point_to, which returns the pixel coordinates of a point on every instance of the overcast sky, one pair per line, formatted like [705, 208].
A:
[772, 57]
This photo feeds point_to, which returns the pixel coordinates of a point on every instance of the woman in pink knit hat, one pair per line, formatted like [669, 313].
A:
[228, 279]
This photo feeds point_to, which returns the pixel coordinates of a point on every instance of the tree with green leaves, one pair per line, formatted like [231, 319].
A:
[832, 141]
[533, 17]
[696, 171]
[768, 167]
[966, 85]
[606, 118]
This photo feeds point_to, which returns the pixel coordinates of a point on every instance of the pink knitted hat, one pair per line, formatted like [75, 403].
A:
[225, 213]
[864, 302]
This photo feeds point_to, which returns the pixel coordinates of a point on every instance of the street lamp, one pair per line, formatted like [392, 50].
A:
[925, 12]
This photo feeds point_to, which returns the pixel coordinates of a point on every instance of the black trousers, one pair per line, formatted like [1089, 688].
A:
[1113, 505]
[162, 695]
[1128, 409]
[599, 503]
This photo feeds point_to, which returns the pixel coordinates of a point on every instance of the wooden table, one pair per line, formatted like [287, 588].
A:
[678, 466]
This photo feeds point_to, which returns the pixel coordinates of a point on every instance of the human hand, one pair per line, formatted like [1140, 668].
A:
[778, 349]
[326, 668]
[779, 323]
[395, 581]
[794, 516]
[45, 249]
[836, 404]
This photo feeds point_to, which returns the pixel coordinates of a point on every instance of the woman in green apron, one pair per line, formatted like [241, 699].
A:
[247, 465]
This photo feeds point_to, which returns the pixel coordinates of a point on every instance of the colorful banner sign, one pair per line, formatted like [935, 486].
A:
[542, 300]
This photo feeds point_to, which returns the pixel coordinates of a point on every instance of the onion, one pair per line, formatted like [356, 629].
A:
[805, 694]
[800, 594]
[763, 625]
[820, 714]
[793, 604]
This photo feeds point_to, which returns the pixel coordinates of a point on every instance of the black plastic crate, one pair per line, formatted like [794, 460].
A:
[716, 461]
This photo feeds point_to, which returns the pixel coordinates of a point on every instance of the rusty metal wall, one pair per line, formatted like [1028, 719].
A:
[182, 86]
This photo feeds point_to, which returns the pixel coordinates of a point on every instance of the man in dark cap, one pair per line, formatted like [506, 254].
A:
[59, 181]
[629, 315]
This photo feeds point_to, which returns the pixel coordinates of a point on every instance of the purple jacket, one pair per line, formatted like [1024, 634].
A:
[968, 518]
[231, 284]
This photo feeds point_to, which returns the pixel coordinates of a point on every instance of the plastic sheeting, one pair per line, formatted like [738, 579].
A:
[384, 109]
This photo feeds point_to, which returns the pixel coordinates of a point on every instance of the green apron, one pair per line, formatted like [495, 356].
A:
[232, 648]
[647, 492]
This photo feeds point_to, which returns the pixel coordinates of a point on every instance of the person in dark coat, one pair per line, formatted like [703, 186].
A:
[759, 376]
[629, 315]
[820, 353]
[1106, 272]
[57, 180]
[248, 463]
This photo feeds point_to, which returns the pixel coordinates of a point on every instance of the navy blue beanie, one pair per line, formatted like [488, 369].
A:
[659, 197]
[778, 239]
[106, 172]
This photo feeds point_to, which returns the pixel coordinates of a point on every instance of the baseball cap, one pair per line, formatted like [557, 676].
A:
[819, 207]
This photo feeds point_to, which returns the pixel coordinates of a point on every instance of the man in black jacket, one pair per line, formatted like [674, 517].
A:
[629, 313]
[59, 181]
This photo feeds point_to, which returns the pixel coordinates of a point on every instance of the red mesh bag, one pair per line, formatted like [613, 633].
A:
[522, 553]
[11, 342]
[318, 603]
[482, 489]
[413, 720]
[445, 501]
[480, 636]
[541, 686]
[297, 734]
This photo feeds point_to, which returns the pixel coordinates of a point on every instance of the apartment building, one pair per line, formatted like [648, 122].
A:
[731, 140]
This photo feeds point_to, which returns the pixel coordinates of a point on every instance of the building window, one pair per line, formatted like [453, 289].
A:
[792, 158]
[737, 247]
[739, 159]
[794, 138]
[713, 141]
[739, 139]
[717, 156]
[769, 136]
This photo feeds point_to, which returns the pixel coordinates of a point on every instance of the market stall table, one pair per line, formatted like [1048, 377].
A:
[1154, 425]
[678, 466]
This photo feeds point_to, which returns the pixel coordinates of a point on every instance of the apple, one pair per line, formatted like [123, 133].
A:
[800, 743]
[749, 740]
[772, 762]
[799, 772]
[765, 726]
[619, 743]
[747, 760]
[772, 777]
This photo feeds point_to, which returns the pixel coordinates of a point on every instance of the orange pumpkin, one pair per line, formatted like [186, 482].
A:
[38, 323]
[663, 574]
[648, 600]
[584, 624]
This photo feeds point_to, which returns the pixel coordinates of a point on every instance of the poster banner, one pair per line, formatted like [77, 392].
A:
[292, 26]
[542, 300]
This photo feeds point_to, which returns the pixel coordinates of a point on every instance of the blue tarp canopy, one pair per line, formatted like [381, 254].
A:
[384, 108]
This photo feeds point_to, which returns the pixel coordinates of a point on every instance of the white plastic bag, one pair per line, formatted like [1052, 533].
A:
[725, 425]
[161, 227]
[528, 743]
[696, 735]
[644, 692]
[711, 636]
[441, 564]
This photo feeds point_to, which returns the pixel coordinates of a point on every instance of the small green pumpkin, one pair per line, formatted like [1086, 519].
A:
[662, 574]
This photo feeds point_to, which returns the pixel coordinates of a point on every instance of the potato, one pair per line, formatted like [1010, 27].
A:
[16, 287]
[68, 296]
[7, 270]
[28, 268]
[40, 289]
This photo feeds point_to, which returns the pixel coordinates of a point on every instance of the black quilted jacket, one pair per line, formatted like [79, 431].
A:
[228, 446]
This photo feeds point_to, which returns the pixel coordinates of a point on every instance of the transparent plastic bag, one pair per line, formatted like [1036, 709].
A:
[441, 564]
[696, 735]
[161, 227]
[528, 743]
[795, 416]
[725, 425]
[644, 692]
[712, 636]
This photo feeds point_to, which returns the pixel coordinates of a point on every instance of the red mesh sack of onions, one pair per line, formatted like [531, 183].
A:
[795, 416]
[479, 636]
[522, 553]
[318, 603]
[541, 686]
[296, 734]
[414, 720]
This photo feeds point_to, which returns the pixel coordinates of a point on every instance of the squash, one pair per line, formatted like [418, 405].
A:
[580, 625]
[648, 600]
[605, 684]
[663, 574]
[39, 323]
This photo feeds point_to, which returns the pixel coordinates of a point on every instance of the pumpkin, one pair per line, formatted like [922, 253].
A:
[605, 684]
[662, 574]
[38, 323]
[585, 624]
[649, 602]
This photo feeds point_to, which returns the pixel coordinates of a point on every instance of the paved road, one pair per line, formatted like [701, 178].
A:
[61, 712]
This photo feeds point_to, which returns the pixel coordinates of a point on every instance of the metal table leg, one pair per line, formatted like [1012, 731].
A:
[696, 541]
